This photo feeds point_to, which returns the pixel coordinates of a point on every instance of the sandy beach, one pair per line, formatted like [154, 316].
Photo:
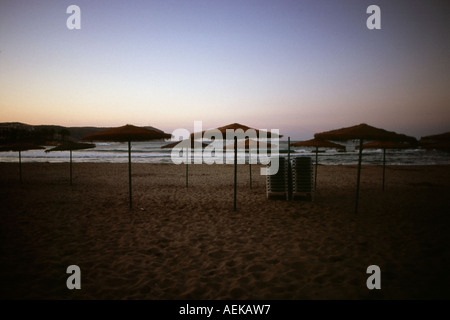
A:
[188, 243]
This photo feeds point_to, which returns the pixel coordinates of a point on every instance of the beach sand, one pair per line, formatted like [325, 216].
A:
[188, 243]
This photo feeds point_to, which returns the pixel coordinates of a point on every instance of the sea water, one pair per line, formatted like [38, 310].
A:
[151, 152]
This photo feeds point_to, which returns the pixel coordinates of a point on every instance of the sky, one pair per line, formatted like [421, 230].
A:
[298, 66]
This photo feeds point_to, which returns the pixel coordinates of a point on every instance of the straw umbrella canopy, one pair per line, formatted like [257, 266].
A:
[362, 132]
[70, 146]
[176, 143]
[127, 134]
[317, 143]
[21, 146]
[385, 145]
[238, 126]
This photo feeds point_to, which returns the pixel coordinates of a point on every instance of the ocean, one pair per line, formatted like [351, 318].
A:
[151, 152]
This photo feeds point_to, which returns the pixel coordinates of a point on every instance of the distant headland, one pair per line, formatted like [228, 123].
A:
[48, 134]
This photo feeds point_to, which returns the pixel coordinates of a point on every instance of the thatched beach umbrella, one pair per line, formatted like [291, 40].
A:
[385, 145]
[176, 143]
[127, 133]
[70, 146]
[317, 143]
[21, 146]
[238, 126]
[362, 132]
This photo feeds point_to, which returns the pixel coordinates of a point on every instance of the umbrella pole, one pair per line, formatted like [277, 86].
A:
[250, 164]
[235, 172]
[289, 174]
[187, 169]
[20, 167]
[315, 174]
[129, 171]
[359, 174]
[384, 164]
[70, 167]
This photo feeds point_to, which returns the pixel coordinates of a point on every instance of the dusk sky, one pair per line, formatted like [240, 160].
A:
[298, 66]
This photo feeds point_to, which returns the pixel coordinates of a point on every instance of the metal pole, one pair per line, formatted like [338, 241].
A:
[315, 174]
[250, 164]
[235, 172]
[384, 164]
[289, 173]
[359, 174]
[70, 167]
[187, 170]
[129, 172]
[20, 166]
